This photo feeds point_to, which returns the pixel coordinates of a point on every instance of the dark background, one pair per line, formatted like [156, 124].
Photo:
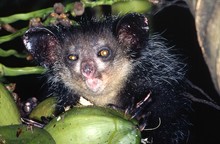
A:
[175, 23]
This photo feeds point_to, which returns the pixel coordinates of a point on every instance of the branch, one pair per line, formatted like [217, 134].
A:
[198, 100]
[200, 91]
[6, 71]
[11, 52]
[44, 12]
[101, 2]
[12, 36]
[26, 16]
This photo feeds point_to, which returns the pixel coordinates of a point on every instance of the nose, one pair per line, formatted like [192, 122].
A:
[88, 68]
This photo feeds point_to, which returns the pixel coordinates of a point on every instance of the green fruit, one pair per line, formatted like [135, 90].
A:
[94, 125]
[22, 134]
[9, 113]
[46, 108]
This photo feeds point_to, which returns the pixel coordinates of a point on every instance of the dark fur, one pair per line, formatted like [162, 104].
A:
[153, 71]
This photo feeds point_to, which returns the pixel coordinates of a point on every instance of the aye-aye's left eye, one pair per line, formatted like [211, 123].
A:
[72, 57]
[104, 52]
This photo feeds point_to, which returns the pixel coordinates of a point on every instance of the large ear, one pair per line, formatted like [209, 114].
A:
[42, 43]
[132, 30]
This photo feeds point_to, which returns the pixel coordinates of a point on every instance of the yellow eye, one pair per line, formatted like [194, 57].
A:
[104, 53]
[72, 57]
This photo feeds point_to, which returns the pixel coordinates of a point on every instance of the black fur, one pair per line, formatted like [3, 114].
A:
[155, 72]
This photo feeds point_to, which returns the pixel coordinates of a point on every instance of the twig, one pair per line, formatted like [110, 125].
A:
[211, 104]
[12, 36]
[9, 28]
[199, 90]
[11, 52]
[45, 12]
[101, 2]
[26, 16]
[6, 71]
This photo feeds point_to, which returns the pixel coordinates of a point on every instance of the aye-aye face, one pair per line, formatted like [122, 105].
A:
[94, 63]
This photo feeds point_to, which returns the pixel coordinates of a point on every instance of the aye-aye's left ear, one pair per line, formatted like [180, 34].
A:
[132, 30]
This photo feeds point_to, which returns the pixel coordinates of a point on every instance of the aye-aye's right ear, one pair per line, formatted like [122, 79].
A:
[42, 44]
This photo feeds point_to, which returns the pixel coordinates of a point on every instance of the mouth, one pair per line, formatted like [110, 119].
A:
[90, 75]
[94, 84]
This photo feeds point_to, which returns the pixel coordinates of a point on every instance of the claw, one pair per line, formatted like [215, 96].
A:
[130, 108]
[136, 111]
[143, 120]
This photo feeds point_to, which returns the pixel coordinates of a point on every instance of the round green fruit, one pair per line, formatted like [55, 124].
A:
[94, 125]
[22, 134]
[9, 113]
